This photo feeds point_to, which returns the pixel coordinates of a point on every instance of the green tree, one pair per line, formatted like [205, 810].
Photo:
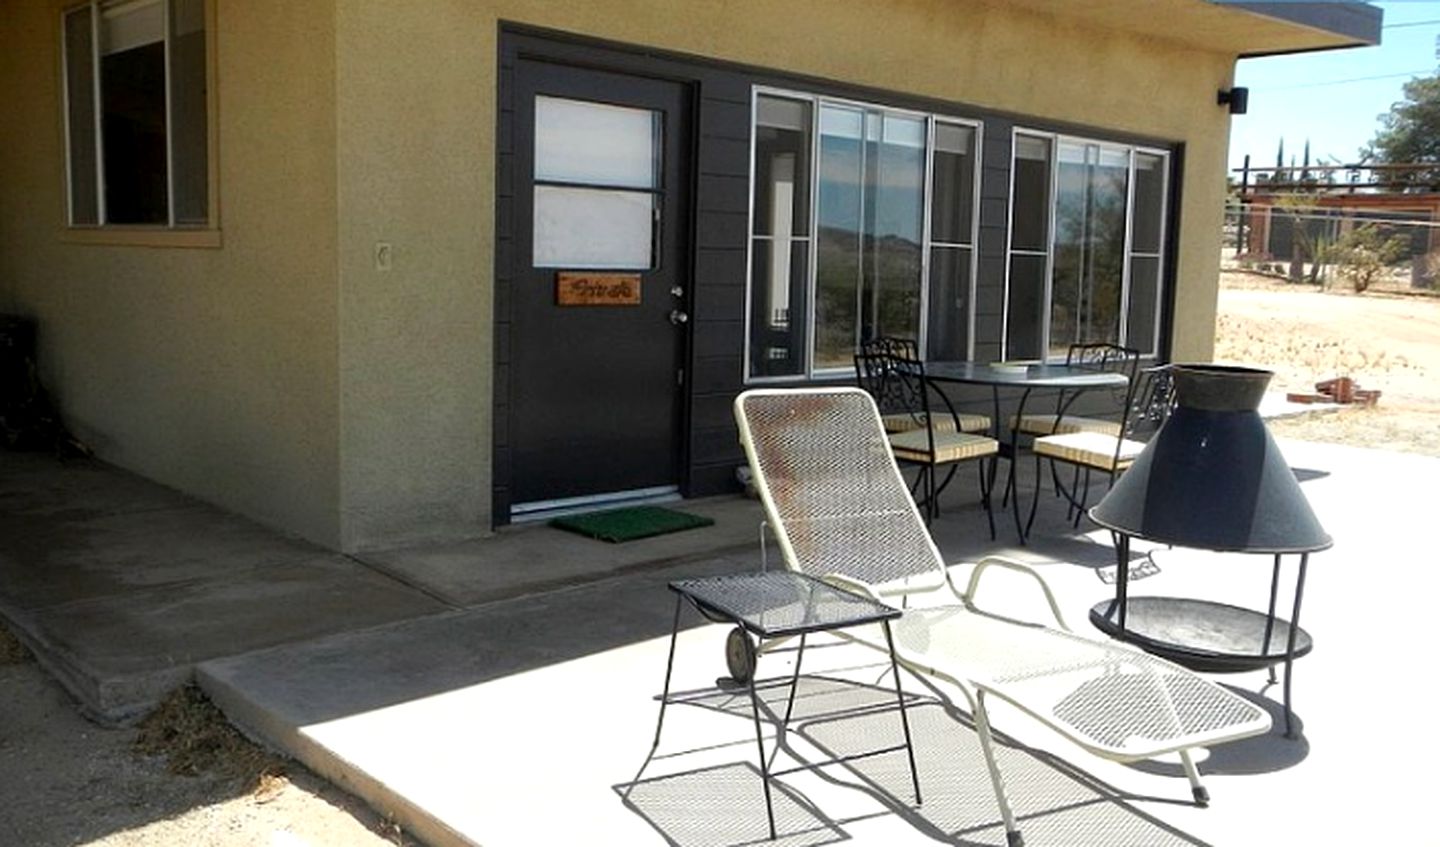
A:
[1410, 131]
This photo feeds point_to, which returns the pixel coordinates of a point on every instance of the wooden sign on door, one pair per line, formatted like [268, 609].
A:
[597, 289]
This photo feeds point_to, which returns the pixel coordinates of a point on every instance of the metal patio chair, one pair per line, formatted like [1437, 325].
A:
[837, 504]
[934, 440]
[1098, 356]
[897, 410]
[1148, 404]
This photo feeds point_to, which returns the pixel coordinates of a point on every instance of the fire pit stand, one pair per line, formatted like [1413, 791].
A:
[1204, 635]
[1212, 479]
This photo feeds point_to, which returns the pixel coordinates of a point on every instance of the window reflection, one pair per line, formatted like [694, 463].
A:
[871, 210]
[839, 244]
[780, 247]
[1104, 254]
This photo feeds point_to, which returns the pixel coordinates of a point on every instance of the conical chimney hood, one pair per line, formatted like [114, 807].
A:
[1213, 478]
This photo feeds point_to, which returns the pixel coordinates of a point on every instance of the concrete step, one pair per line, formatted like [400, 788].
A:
[450, 723]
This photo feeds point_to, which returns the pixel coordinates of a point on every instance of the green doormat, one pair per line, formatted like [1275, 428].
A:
[618, 525]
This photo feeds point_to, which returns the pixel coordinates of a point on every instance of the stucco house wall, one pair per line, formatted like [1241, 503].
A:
[213, 370]
[286, 376]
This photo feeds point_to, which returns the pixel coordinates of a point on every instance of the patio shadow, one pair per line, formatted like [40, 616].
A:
[1055, 803]
[1258, 754]
[722, 806]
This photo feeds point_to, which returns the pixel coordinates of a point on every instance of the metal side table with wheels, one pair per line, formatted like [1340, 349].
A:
[777, 605]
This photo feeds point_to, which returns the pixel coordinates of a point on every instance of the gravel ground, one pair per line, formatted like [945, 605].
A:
[66, 781]
[1387, 340]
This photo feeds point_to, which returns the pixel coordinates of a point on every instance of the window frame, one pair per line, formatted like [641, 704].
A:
[1133, 150]
[170, 233]
[808, 371]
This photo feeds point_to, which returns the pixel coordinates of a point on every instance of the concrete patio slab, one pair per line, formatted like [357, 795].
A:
[529, 720]
[119, 585]
[530, 557]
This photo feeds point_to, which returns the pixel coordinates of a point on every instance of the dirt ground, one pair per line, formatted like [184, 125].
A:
[1387, 340]
[186, 778]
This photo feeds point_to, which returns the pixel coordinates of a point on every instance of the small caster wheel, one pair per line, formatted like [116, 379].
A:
[1014, 839]
[1202, 796]
[740, 655]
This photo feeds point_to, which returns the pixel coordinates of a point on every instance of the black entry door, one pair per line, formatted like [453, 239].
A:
[599, 298]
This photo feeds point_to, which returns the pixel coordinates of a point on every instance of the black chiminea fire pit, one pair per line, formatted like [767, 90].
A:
[1212, 479]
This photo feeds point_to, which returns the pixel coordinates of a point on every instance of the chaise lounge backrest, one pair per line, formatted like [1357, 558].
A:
[836, 500]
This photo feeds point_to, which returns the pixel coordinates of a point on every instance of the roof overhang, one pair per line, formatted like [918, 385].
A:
[1239, 27]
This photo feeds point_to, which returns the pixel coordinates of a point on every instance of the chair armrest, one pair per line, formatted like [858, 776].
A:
[1010, 564]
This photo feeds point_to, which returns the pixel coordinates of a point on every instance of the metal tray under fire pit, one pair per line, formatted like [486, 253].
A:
[1200, 634]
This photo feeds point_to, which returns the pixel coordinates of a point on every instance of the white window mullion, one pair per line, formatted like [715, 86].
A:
[812, 262]
[1123, 330]
[1047, 300]
[101, 216]
[923, 334]
[166, 29]
[65, 111]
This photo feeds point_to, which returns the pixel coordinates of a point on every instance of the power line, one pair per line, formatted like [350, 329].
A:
[1424, 72]
[1410, 23]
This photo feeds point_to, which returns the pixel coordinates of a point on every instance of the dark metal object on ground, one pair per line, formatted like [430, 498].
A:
[1213, 479]
[28, 419]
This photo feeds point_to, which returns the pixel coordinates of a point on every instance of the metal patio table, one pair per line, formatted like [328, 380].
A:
[1071, 378]
[783, 604]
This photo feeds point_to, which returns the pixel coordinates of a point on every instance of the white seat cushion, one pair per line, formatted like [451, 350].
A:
[1091, 449]
[913, 446]
[1045, 425]
[904, 422]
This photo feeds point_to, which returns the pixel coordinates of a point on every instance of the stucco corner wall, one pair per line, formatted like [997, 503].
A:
[212, 370]
[415, 116]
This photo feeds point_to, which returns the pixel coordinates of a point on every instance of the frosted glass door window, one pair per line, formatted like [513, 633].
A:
[597, 183]
[596, 144]
[586, 228]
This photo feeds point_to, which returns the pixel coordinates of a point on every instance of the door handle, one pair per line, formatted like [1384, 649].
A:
[678, 317]
[677, 291]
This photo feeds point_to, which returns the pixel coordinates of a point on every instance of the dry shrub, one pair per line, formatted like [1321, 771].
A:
[195, 739]
[12, 652]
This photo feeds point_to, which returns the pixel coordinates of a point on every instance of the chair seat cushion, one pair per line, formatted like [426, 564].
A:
[914, 446]
[904, 422]
[1045, 425]
[1091, 449]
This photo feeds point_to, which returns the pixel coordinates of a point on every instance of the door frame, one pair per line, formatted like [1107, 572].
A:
[519, 44]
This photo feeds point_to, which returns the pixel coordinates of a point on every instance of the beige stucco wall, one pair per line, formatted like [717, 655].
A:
[212, 370]
[414, 171]
[284, 376]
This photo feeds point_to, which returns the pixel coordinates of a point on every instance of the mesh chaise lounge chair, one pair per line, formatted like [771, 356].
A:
[840, 510]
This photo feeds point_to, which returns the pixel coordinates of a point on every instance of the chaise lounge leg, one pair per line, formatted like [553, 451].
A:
[1198, 791]
[982, 728]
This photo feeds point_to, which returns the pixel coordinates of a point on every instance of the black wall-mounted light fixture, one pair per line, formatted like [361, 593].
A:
[1238, 99]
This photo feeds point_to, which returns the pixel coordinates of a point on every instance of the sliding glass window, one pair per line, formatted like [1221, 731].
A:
[893, 225]
[137, 113]
[1085, 266]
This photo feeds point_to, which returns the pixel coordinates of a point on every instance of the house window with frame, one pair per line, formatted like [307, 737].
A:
[137, 113]
[863, 225]
[1087, 241]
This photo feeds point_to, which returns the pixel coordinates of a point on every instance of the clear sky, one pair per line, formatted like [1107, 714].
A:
[1333, 98]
